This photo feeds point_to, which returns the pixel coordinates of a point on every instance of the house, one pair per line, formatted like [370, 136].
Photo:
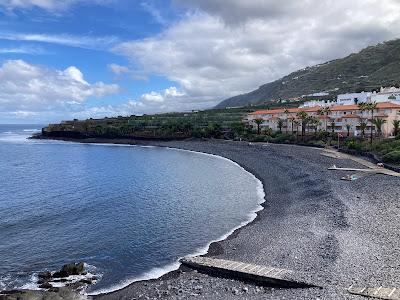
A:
[390, 94]
[341, 118]
[353, 98]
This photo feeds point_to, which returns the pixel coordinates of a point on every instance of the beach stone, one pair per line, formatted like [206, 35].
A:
[70, 269]
[60, 274]
[45, 275]
[45, 285]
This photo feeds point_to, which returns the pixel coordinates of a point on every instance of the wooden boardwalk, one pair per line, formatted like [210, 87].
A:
[379, 293]
[371, 167]
[245, 271]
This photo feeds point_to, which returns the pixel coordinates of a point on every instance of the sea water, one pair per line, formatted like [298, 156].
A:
[128, 212]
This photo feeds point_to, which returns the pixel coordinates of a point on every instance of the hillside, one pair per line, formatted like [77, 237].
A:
[369, 69]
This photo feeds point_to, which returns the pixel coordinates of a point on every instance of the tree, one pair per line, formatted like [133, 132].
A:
[396, 127]
[348, 127]
[363, 127]
[303, 116]
[378, 122]
[280, 125]
[326, 111]
[314, 122]
[333, 125]
[287, 113]
[296, 124]
[238, 128]
[258, 122]
[213, 130]
[370, 107]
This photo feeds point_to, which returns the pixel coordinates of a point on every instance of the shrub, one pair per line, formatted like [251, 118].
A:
[392, 157]
[353, 144]
[322, 135]
[318, 143]
[283, 138]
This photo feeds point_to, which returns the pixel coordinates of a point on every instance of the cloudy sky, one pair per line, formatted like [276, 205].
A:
[62, 59]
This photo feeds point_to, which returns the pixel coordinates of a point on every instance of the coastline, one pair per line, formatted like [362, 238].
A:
[204, 251]
[313, 246]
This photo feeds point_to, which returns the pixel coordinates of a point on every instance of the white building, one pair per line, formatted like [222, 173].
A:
[390, 94]
[320, 103]
[353, 98]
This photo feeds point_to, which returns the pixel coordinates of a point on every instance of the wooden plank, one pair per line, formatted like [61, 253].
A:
[376, 292]
[245, 271]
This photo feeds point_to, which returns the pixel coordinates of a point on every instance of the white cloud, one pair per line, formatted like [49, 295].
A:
[118, 69]
[89, 42]
[27, 89]
[152, 97]
[219, 50]
[168, 100]
[49, 5]
[154, 12]
[33, 50]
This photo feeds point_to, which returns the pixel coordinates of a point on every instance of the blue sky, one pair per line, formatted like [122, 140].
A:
[93, 58]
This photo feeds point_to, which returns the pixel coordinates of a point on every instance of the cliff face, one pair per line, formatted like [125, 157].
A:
[369, 69]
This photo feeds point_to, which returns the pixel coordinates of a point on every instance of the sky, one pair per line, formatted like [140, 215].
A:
[64, 59]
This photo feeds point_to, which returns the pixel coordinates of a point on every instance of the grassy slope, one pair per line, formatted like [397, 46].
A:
[371, 68]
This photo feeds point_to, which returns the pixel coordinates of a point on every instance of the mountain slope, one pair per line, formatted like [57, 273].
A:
[371, 68]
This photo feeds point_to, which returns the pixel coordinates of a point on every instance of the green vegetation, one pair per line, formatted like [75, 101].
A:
[214, 123]
[367, 70]
[228, 124]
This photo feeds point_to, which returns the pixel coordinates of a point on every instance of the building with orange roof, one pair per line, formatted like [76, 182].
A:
[345, 119]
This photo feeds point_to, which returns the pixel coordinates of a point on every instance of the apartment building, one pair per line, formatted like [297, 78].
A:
[345, 119]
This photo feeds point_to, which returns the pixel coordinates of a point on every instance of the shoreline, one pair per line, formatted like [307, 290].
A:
[207, 249]
[312, 223]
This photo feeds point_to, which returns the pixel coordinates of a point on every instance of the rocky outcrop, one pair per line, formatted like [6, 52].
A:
[70, 269]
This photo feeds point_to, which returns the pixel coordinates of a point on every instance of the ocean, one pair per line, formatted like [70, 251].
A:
[128, 212]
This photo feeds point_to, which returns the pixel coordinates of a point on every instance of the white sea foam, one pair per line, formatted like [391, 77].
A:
[32, 283]
[159, 272]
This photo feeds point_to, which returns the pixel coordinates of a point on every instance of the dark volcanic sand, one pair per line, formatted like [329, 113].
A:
[333, 233]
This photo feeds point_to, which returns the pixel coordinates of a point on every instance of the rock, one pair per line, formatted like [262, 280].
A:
[245, 289]
[60, 274]
[70, 269]
[46, 285]
[45, 275]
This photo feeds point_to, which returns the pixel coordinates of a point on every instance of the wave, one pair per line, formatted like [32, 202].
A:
[156, 273]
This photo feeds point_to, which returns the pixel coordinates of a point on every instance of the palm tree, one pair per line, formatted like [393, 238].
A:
[378, 122]
[326, 111]
[396, 127]
[296, 124]
[280, 125]
[371, 107]
[348, 127]
[363, 126]
[333, 125]
[314, 122]
[287, 113]
[258, 122]
[305, 119]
